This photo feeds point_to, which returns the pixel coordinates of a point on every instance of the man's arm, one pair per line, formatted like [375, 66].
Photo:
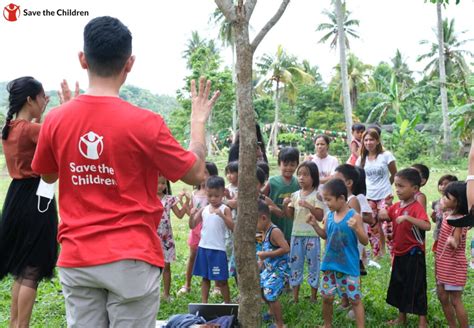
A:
[200, 111]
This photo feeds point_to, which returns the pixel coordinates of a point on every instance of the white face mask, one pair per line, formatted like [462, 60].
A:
[45, 190]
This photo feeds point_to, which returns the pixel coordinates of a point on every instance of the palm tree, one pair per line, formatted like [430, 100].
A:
[332, 30]
[357, 79]
[340, 24]
[457, 70]
[226, 35]
[280, 73]
[402, 73]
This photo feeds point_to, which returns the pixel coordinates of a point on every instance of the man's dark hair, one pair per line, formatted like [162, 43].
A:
[410, 175]
[215, 182]
[289, 154]
[107, 46]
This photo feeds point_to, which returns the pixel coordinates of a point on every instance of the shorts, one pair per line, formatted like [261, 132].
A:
[451, 288]
[344, 285]
[211, 264]
[272, 284]
[407, 290]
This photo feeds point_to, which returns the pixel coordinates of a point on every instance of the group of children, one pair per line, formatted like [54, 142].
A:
[295, 212]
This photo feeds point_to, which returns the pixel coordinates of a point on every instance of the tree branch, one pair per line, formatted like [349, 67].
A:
[269, 25]
[228, 9]
[249, 7]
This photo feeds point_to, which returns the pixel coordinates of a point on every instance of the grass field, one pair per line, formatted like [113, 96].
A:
[49, 308]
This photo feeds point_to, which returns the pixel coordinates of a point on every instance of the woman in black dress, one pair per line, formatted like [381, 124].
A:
[28, 226]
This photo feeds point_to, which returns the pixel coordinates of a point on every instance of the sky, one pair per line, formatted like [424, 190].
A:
[46, 47]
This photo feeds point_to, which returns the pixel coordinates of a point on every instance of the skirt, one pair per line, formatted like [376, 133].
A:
[28, 238]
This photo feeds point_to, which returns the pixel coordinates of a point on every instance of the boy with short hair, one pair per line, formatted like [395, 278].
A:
[211, 260]
[407, 289]
[281, 186]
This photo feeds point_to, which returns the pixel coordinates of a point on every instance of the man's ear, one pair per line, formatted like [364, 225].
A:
[82, 60]
[129, 64]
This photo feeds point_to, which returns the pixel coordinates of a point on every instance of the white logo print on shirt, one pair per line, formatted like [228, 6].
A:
[91, 145]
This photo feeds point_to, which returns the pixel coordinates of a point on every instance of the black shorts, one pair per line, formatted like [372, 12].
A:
[407, 289]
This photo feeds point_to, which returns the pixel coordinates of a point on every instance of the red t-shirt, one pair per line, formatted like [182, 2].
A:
[108, 154]
[405, 235]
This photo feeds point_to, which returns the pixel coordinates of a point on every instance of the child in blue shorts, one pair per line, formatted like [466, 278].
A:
[342, 229]
[211, 260]
[273, 260]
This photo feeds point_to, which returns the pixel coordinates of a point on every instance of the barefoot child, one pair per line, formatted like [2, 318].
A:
[342, 230]
[211, 259]
[273, 260]
[407, 289]
[305, 243]
[451, 261]
[165, 231]
[350, 175]
[198, 201]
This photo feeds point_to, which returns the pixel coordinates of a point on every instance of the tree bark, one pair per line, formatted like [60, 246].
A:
[442, 86]
[234, 106]
[346, 97]
[247, 270]
[246, 227]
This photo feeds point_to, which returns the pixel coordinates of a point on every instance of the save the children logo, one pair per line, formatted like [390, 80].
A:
[91, 145]
[11, 12]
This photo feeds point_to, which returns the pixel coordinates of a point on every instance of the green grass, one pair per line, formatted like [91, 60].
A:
[49, 309]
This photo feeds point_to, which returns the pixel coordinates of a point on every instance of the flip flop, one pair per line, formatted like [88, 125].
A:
[183, 290]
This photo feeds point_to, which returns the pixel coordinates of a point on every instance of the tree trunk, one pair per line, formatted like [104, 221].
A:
[442, 86]
[234, 106]
[343, 64]
[276, 120]
[245, 252]
[244, 234]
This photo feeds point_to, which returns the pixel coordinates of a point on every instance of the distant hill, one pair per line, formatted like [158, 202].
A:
[161, 104]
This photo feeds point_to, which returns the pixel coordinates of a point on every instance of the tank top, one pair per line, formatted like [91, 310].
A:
[342, 254]
[213, 229]
[278, 264]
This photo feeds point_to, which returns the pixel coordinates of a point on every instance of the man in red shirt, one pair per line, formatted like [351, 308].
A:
[107, 155]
